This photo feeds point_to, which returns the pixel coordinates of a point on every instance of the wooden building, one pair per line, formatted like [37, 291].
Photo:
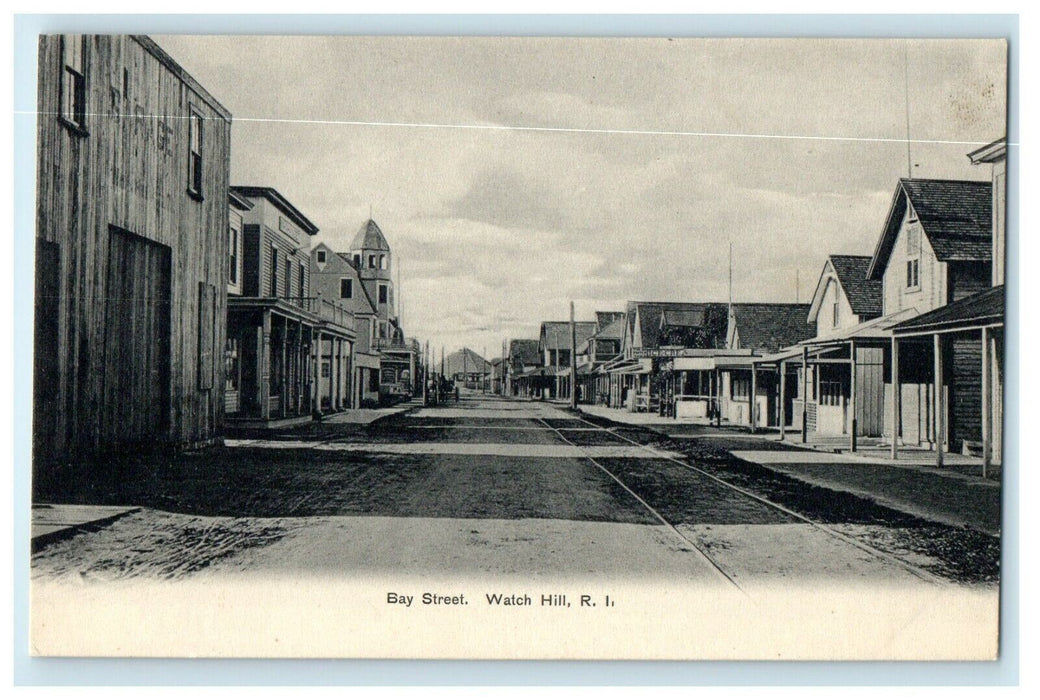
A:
[288, 352]
[334, 278]
[966, 338]
[555, 346]
[523, 360]
[131, 251]
[935, 248]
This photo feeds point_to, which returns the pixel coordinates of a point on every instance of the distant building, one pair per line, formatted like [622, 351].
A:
[467, 368]
[523, 359]
[554, 345]
[371, 256]
[131, 252]
[334, 278]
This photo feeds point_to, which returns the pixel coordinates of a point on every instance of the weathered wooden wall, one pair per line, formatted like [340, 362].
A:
[129, 171]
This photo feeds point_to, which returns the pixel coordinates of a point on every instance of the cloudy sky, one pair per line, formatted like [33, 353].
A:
[642, 161]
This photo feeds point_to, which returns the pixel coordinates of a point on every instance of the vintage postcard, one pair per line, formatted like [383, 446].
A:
[518, 348]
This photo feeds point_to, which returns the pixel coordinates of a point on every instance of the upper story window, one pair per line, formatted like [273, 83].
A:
[274, 271]
[288, 276]
[384, 294]
[233, 255]
[382, 262]
[834, 315]
[321, 257]
[357, 261]
[371, 261]
[303, 282]
[913, 255]
[346, 288]
[195, 155]
[73, 83]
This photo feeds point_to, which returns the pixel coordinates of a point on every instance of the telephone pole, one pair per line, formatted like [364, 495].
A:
[574, 362]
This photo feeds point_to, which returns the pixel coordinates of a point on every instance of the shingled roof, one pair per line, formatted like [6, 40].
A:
[465, 360]
[651, 313]
[370, 237]
[865, 295]
[605, 319]
[524, 352]
[982, 309]
[956, 216]
[769, 327]
[556, 335]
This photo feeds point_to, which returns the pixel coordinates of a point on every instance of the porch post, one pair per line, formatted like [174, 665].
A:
[718, 399]
[805, 394]
[939, 427]
[284, 389]
[751, 400]
[783, 401]
[986, 399]
[265, 366]
[897, 397]
[852, 394]
[317, 372]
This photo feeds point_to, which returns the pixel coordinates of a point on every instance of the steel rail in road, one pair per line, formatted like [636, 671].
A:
[714, 565]
[885, 556]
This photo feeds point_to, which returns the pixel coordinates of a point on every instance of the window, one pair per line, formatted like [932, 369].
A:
[233, 255]
[382, 262]
[371, 261]
[830, 393]
[384, 293]
[357, 262]
[274, 271]
[288, 276]
[303, 282]
[195, 156]
[73, 83]
[740, 388]
[326, 369]
[321, 257]
[913, 274]
[346, 288]
[834, 315]
[231, 379]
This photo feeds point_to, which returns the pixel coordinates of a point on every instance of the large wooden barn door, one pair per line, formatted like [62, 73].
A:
[137, 341]
[45, 348]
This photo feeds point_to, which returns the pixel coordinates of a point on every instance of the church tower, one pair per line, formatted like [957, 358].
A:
[370, 254]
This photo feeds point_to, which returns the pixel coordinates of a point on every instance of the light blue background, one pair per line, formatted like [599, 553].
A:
[44, 671]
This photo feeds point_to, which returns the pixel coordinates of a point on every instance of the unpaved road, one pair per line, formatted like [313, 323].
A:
[485, 487]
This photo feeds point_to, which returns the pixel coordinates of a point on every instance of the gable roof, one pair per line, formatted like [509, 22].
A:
[284, 205]
[990, 153]
[956, 216]
[605, 319]
[982, 309]
[650, 318]
[524, 351]
[865, 296]
[556, 335]
[769, 327]
[369, 237]
[465, 360]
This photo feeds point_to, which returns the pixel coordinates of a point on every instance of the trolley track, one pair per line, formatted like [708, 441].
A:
[873, 551]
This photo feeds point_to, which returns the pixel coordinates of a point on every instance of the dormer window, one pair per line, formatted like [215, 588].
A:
[371, 262]
[321, 257]
[834, 315]
[382, 262]
[73, 84]
[913, 255]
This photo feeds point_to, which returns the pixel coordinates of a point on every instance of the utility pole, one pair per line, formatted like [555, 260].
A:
[574, 362]
[484, 372]
[426, 374]
[440, 379]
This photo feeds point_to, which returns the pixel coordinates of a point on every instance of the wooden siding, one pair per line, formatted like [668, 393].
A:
[931, 293]
[870, 387]
[968, 278]
[128, 171]
[965, 391]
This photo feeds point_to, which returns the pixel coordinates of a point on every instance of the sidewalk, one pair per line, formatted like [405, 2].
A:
[52, 522]
[364, 416]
